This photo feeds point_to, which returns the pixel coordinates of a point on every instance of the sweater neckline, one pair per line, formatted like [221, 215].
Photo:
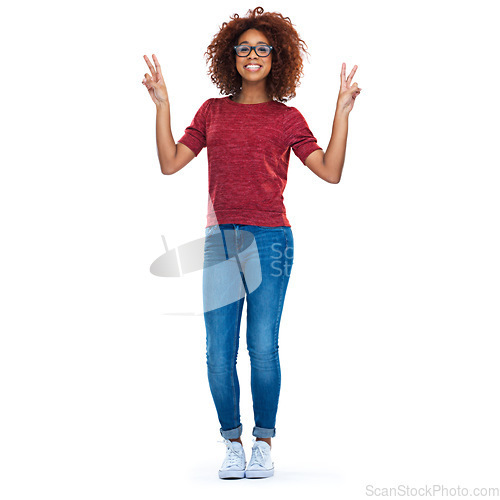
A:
[228, 99]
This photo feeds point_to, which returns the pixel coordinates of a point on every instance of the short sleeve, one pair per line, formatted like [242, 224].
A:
[298, 136]
[195, 135]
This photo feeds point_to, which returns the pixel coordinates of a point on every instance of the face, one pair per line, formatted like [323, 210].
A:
[253, 37]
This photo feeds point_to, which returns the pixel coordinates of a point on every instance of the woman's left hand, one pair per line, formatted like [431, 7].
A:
[348, 92]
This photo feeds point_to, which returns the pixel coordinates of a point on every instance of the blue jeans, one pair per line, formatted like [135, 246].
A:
[253, 261]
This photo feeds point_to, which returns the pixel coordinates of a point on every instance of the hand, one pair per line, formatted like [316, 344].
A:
[155, 83]
[348, 92]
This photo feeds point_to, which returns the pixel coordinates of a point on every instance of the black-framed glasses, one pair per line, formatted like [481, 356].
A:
[261, 50]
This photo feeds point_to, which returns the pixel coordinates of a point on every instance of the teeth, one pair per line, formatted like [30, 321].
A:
[252, 66]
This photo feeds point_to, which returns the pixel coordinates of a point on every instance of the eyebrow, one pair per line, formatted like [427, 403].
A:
[249, 42]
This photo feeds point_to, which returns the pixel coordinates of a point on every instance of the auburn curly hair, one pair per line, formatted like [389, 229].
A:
[287, 63]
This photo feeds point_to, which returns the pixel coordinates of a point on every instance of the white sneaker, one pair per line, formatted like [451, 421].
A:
[260, 464]
[235, 462]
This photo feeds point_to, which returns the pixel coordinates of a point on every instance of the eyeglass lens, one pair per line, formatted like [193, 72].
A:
[262, 50]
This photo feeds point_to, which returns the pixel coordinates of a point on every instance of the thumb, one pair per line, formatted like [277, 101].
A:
[148, 81]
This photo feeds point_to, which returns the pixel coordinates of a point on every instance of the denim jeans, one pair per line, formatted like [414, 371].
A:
[255, 262]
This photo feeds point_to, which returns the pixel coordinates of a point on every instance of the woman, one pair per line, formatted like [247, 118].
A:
[256, 61]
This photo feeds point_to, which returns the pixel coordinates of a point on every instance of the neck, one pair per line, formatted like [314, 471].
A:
[251, 95]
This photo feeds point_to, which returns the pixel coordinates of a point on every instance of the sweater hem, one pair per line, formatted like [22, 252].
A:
[249, 217]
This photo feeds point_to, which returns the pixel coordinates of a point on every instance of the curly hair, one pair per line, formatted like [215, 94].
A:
[287, 62]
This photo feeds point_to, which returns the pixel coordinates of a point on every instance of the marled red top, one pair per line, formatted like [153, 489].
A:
[248, 150]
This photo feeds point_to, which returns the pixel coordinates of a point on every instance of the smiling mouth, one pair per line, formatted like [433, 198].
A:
[252, 67]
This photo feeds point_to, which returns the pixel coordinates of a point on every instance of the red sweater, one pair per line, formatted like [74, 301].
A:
[248, 150]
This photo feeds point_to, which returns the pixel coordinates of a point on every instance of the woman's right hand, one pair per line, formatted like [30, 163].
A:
[155, 83]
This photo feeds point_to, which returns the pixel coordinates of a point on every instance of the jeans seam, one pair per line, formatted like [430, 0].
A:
[286, 240]
[280, 307]
[233, 368]
[236, 334]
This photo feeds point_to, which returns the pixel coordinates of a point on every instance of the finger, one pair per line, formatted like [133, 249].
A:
[351, 74]
[158, 67]
[150, 66]
[342, 75]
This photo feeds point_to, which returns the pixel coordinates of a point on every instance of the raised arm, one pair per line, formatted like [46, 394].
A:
[329, 164]
[172, 156]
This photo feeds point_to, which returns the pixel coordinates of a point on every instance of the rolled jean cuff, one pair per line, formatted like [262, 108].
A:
[260, 432]
[232, 433]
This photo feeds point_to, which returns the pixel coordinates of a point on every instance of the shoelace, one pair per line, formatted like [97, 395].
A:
[233, 457]
[258, 455]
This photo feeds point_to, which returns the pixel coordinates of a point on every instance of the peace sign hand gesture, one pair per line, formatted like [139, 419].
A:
[155, 83]
[348, 92]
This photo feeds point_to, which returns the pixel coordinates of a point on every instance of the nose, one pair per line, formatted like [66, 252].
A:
[252, 58]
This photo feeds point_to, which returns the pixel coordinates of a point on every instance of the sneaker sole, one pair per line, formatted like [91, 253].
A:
[231, 474]
[257, 474]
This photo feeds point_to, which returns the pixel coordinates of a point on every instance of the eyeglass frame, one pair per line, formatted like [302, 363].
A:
[254, 47]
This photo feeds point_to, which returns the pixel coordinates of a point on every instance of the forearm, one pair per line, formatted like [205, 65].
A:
[165, 143]
[335, 152]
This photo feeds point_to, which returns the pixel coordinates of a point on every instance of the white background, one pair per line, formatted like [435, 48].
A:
[389, 338]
